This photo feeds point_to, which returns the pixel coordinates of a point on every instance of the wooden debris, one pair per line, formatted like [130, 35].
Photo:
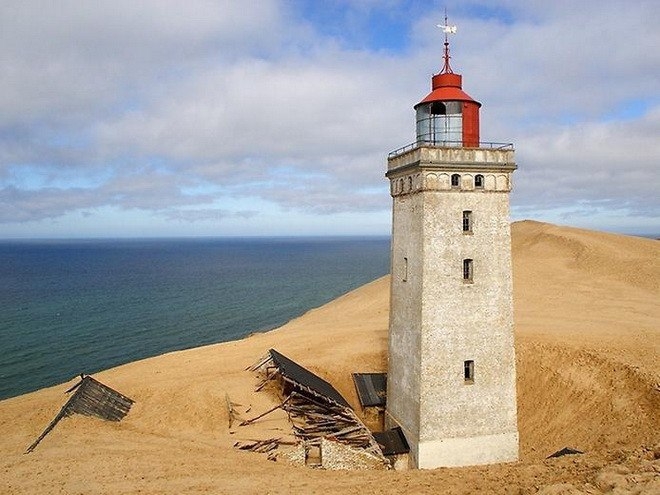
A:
[91, 398]
[269, 376]
[311, 422]
[261, 446]
[231, 412]
[262, 360]
[315, 408]
[250, 421]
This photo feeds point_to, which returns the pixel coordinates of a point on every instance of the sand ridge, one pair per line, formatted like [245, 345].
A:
[587, 325]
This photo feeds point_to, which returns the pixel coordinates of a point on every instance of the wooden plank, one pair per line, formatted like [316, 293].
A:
[263, 360]
[346, 431]
[64, 412]
[230, 410]
[249, 421]
[91, 398]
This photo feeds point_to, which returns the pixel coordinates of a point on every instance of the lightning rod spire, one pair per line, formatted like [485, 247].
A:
[447, 29]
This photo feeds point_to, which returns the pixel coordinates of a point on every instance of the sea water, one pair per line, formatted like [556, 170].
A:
[68, 307]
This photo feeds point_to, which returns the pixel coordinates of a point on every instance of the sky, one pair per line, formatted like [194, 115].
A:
[163, 118]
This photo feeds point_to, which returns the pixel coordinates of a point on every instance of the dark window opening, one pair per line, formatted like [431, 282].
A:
[468, 371]
[405, 270]
[438, 108]
[455, 180]
[479, 181]
[468, 270]
[467, 221]
[446, 108]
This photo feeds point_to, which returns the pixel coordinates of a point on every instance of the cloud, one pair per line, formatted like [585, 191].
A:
[18, 205]
[579, 59]
[206, 214]
[184, 109]
[284, 110]
[61, 60]
[612, 165]
[147, 190]
[327, 197]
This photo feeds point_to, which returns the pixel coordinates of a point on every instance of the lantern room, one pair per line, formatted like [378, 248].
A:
[448, 116]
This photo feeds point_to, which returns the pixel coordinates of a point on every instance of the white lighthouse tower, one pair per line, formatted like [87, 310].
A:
[451, 383]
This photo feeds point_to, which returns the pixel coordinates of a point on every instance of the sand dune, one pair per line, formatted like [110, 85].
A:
[587, 334]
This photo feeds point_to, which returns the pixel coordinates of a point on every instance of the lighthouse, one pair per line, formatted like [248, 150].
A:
[451, 381]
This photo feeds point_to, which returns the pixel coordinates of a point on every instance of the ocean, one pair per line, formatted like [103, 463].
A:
[68, 307]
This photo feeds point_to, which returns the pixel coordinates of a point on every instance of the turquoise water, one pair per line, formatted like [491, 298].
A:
[68, 307]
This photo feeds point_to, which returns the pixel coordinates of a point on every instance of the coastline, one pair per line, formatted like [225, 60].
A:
[585, 380]
[87, 306]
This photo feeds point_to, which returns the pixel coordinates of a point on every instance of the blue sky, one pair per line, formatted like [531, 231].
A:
[169, 118]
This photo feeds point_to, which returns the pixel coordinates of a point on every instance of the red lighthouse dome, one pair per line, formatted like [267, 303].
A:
[448, 116]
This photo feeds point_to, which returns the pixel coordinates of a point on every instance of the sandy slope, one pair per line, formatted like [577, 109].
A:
[587, 337]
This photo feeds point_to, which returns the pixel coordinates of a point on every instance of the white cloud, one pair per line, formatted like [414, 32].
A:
[171, 107]
[292, 109]
[63, 59]
[206, 214]
[600, 164]
[584, 59]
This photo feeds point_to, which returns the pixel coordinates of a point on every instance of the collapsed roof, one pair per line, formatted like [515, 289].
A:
[316, 409]
[306, 382]
[91, 398]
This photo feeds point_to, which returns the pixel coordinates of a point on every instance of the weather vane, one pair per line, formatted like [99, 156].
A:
[447, 29]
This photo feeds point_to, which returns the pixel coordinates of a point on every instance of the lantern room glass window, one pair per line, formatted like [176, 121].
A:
[440, 123]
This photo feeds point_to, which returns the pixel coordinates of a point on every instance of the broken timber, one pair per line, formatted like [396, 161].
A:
[563, 452]
[249, 421]
[315, 408]
[231, 411]
[91, 398]
[258, 445]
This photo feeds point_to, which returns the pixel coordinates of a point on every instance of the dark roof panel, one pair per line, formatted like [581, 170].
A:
[392, 442]
[96, 399]
[306, 380]
[91, 398]
[371, 388]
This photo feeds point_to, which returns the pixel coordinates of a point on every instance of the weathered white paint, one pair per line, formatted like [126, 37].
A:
[438, 321]
[466, 451]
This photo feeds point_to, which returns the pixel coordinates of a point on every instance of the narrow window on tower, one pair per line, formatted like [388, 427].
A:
[404, 278]
[455, 180]
[468, 270]
[479, 181]
[468, 371]
[467, 222]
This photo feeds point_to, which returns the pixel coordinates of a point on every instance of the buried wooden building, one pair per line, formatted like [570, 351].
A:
[331, 434]
[91, 398]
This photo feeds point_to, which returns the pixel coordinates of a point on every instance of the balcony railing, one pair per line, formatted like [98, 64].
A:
[447, 144]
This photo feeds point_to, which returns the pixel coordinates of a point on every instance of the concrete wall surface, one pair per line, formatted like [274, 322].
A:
[439, 320]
